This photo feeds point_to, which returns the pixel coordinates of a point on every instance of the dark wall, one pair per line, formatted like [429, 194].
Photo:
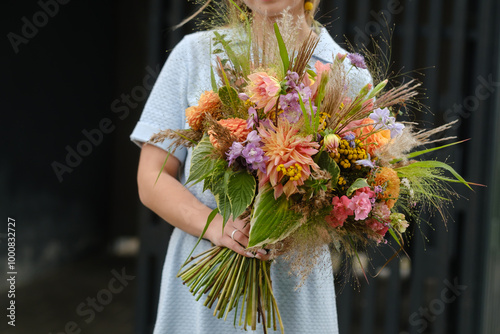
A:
[67, 166]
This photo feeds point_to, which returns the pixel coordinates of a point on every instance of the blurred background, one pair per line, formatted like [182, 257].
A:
[88, 255]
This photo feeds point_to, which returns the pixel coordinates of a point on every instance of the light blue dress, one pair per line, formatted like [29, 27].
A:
[311, 308]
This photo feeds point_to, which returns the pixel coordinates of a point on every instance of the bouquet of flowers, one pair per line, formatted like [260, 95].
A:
[285, 146]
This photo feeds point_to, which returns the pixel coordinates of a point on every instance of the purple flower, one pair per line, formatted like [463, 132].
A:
[253, 117]
[254, 157]
[357, 60]
[380, 117]
[365, 163]
[396, 129]
[234, 152]
[350, 136]
[378, 189]
[253, 138]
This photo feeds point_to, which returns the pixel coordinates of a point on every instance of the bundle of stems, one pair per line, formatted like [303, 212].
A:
[232, 281]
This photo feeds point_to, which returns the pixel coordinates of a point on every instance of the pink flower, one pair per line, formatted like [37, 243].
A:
[321, 70]
[361, 205]
[377, 226]
[367, 190]
[340, 211]
[382, 211]
[263, 90]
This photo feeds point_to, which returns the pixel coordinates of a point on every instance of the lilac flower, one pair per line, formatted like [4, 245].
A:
[357, 60]
[384, 121]
[234, 152]
[253, 117]
[378, 189]
[365, 163]
[254, 157]
[380, 117]
[396, 129]
[292, 79]
[253, 138]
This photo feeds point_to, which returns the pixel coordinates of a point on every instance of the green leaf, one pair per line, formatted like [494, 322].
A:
[229, 96]
[272, 220]
[212, 80]
[202, 164]
[394, 236]
[241, 191]
[211, 217]
[358, 184]
[325, 162]
[229, 51]
[282, 48]
[224, 206]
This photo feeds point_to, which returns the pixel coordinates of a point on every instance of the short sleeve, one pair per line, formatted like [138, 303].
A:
[166, 105]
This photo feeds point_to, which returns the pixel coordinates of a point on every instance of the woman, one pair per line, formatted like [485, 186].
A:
[186, 74]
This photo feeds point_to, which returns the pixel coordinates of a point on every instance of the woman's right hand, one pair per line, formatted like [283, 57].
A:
[234, 236]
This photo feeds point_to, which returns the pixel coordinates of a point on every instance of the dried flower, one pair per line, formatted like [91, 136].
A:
[237, 127]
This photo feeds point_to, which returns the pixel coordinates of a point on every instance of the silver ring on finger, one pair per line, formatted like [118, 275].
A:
[232, 234]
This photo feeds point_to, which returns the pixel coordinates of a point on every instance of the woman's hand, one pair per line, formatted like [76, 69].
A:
[234, 236]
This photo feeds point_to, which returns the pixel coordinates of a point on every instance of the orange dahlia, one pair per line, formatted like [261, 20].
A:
[209, 103]
[388, 178]
[290, 158]
[374, 141]
[237, 127]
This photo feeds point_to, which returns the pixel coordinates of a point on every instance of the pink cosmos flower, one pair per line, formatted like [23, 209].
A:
[361, 205]
[263, 90]
[340, 211]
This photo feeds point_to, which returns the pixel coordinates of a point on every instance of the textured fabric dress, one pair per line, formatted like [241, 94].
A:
[311, 308]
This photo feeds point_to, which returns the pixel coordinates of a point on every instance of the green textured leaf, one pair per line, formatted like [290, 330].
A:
[201, 163]
[359, 183]
[224, 206]
[282, 48]
[325, 162]
[241, 191]
[272, 220]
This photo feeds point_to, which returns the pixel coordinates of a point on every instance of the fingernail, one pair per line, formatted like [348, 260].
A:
[249, 254]
[257, 256]
[262, 251]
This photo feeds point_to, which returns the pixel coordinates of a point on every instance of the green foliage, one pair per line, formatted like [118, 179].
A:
[358, 184]
[272, 220]
[282, 48]
[325, 162]
[202, 164]
[229, 96]
[241, 191]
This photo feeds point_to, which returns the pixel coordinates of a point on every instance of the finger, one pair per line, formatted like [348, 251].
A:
[235, 246]
[239, 237]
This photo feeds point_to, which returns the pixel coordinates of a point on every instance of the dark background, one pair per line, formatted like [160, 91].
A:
[85, 63]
